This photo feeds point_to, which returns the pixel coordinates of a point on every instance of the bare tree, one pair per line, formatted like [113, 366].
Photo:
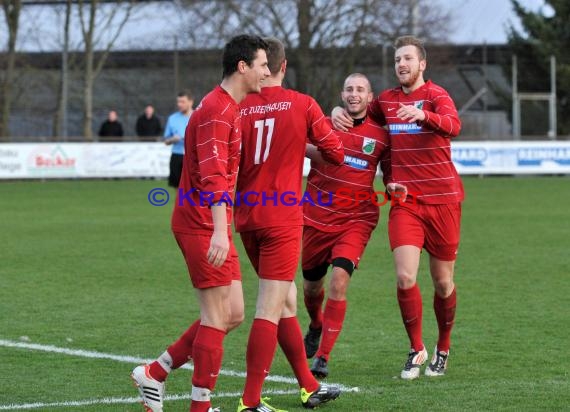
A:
[11, 10]
[61, 112]
[98, 26]
[309, 26]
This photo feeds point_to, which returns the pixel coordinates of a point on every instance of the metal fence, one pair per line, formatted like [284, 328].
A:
[478, 77]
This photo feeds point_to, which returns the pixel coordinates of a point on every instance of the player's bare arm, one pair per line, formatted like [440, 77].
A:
[313, 153]
[341, 120]
[220, 243]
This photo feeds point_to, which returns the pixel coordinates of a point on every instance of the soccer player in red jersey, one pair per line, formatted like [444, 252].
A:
[269, 217]
[201, 223]
[336, 231]
[422, 120]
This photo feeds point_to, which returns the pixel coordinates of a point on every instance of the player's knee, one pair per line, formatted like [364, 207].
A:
[317, 273]
[312, 289]
[270, 312]
[290, 309]
[443, 287]
[235, 320]
[406, 279]
[337, 290]
[345, 264]
[339, 284]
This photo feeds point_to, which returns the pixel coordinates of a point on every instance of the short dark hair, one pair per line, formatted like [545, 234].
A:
[362, 76]
[275, 54]
[241, 48]
[185, 92]
[411, 41]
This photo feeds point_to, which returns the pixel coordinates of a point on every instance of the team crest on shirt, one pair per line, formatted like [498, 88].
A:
[419, 104]
[368, 145]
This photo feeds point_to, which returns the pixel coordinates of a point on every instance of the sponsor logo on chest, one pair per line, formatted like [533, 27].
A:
[355, 162]
[399, 128]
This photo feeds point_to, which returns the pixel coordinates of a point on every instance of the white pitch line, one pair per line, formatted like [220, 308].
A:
[123, 358]
[73, 352]
[126, 359]
[114, 401]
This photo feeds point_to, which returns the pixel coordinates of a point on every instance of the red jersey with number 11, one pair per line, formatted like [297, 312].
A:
[275, 126]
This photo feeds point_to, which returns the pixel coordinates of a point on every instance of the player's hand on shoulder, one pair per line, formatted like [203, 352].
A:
[341, 120]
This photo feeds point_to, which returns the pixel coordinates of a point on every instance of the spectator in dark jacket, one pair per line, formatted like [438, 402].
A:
[148, 124]
[111, 127]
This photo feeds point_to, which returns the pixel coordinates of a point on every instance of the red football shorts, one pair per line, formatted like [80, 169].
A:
[433, 227]
[274, 251]
[322, 247]
[203, 275]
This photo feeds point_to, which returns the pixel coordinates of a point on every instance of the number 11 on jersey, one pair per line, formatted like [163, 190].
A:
[260, 126]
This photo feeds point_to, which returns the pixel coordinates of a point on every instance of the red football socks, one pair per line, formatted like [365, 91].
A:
[207, 353]
[290, 339]
[157, 371]
[333, 319]
[260, 352]
[410, 301]
[181, 350]
[177, 354]
[445, 314]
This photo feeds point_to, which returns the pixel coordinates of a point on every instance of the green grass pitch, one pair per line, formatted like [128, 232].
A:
[91, 265]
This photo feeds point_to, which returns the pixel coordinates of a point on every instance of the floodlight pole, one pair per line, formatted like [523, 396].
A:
[516, 123]
[552, 133]
[486, 95]
[414, 17]
[65, 73]
[384, 66]
[176, 67]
